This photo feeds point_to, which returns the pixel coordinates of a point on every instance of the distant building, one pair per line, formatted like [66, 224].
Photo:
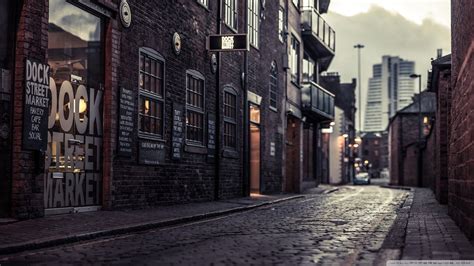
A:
[390, 90]
[342, 132]
[440, 83]
[375, 151]
[404, 145]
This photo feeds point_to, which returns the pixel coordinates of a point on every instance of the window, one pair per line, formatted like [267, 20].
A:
[281, 24]
[273, 86]
[308, 68]
[230, 13]
[204, 2]
[294, 60]
[151, 102]
[296, 3]
[195, 107]
[230, 118]
[253, 21]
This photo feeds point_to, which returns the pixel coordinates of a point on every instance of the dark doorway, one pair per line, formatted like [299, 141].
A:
[293, 156]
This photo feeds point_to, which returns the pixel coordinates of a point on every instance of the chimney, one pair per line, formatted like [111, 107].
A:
[439, 53]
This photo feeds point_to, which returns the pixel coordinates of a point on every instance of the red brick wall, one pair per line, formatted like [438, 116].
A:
[442, 136]
[410, 166]
[27, 170]
[461, 139]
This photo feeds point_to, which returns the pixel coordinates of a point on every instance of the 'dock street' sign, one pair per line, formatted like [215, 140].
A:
[227, 42]
[36, 106]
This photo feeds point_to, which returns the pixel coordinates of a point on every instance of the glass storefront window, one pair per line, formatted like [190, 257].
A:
[74, 156]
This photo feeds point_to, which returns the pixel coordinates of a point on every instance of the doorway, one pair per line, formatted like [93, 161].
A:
[254, 158]
[255, 144]
[293, 156]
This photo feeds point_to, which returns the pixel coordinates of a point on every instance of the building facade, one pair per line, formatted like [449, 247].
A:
[136, 111]
[461, 104]
[120, 104]
[407, 149]
[341, 132]
[309, 107]
[390, 90]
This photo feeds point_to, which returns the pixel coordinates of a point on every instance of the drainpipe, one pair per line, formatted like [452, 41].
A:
[246, 129]
[218, 113]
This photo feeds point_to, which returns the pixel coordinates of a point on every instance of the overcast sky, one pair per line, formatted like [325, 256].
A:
[411, 29]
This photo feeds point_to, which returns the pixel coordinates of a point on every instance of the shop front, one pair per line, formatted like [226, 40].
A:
[73, 160]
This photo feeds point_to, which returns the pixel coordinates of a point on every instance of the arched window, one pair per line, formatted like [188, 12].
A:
[273, 87]
[152, 91]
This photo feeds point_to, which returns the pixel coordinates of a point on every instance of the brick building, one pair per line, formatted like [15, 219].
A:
[138, 111]
[404, 146]
[309, 107]
[461, 106]
[440, 83]
[342, 131]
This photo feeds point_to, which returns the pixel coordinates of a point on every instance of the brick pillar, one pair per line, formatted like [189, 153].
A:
[27, 170]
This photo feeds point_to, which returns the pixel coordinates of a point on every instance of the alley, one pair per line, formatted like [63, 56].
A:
[346, 226]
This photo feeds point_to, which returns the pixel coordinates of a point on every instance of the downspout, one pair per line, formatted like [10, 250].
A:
[246, 129]
[218, 113]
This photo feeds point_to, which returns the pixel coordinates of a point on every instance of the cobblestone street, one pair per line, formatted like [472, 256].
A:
[343, 227]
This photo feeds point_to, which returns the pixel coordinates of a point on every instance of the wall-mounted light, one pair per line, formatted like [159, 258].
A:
[345, 135]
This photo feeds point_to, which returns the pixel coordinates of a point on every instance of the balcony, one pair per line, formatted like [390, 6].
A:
[317, 103]
[319, 38]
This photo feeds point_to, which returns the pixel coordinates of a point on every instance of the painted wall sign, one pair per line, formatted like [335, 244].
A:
[36, 105]
[227, 42]
[151, 152]
[126, 122]
[178, 131]
[74, 154]
[211, 136]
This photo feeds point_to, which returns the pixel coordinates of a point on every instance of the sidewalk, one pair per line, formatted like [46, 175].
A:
[431, 234]
[67, 228]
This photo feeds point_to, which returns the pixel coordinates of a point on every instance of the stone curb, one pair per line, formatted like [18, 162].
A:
[55, 241]
[331, 190]
[399, 187]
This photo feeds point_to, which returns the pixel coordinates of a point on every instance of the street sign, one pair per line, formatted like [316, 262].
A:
[227, 43]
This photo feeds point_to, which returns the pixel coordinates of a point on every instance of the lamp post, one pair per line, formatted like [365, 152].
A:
[359, 47]
[414, 76]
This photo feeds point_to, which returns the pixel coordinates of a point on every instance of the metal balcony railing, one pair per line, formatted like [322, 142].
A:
[312, 21]
[316, 99]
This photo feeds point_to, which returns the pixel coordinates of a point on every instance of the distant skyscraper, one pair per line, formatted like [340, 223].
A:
[390, 89]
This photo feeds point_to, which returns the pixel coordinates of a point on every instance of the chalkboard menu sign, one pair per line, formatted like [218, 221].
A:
[151, 152]
[211, 136]
[126, 122]
[178, 131]
[36, 106]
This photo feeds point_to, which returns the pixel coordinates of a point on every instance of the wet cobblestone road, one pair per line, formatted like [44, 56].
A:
[344, 227]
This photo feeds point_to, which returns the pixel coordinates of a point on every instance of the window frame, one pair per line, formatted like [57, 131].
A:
[293, 60]
[197, 75]
[226, 119]
[253, 30]
[273, 77]
[297, 5]
[203, 3]
[155, 55]
[234, 14]
[281, 23]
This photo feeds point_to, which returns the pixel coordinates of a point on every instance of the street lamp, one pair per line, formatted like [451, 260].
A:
[414, 76]
[358, 47]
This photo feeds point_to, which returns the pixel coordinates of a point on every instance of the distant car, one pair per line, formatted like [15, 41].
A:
[362, 178]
